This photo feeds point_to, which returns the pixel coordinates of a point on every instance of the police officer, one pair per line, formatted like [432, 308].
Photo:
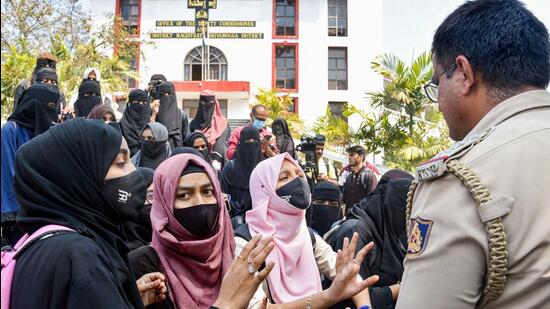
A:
[479, 228]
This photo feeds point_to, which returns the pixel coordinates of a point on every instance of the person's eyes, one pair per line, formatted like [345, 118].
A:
[184, 196]
[208, 192]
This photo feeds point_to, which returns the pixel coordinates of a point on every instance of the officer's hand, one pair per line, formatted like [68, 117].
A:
[345, 284]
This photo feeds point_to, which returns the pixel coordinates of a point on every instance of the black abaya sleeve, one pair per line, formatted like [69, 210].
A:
[225, 177]
[184, 126]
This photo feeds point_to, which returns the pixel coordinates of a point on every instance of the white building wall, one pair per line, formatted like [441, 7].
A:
[251, 59]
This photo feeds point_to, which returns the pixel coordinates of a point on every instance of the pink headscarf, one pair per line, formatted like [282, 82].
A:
[194, 267]
[295, 274]
[218, 124]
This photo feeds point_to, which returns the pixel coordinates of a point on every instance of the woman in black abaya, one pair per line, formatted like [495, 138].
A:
[136, 116]
[81, 178]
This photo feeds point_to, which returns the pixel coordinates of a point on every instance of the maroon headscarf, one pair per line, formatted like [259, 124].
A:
[194, 267]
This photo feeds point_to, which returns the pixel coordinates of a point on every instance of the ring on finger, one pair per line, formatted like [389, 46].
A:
[240, 257]
[249, 260]
[251, 269]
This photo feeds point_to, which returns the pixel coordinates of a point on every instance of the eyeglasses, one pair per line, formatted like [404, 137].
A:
[432, 88]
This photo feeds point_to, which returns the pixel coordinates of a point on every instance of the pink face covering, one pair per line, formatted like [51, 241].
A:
[194, 267]
[295, 274]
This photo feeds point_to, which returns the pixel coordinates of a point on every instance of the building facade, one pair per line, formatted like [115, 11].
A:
[316, 51]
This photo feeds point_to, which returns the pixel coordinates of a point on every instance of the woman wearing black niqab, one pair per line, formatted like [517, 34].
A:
[235, 176]
[90, 266]
[171, 116]
[380, 217]
[38, 108]
[89, 95]
[136, 115]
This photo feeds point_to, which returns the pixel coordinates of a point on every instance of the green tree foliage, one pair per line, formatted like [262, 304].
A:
[279, 107]
[19, 59]
[406, 128]
[335, 129]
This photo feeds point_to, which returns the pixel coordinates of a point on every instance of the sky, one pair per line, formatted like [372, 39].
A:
[409, 25]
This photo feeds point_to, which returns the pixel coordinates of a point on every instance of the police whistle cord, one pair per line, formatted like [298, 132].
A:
[498, 250]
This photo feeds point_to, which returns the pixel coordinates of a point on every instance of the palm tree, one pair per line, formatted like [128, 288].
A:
[279, 107]
[417, 133]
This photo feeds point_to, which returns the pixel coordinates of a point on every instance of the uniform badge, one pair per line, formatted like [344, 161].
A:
[418, 236]
[432, 169]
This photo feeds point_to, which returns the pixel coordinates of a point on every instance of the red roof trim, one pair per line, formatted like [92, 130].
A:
[214, 85]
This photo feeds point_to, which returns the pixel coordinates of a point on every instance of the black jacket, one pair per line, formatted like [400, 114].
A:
[65, 271]
[144, 260]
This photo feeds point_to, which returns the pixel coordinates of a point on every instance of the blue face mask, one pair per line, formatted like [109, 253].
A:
[258, 124]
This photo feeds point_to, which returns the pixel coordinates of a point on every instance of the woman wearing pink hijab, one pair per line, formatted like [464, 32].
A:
[280, 197]
[193, 244]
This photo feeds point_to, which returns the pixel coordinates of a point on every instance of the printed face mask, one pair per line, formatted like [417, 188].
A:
[296, 193]
[126, 194]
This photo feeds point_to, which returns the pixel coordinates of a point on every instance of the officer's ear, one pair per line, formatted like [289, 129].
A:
[466, 75]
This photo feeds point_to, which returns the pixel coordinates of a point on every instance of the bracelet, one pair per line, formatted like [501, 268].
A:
[365, 307]
[308, 305]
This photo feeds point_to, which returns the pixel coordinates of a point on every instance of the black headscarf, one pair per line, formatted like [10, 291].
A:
[190, 140]
[84, 104]
[249, 154]
[134, 119]
[158, 77]
[169, 113]
[386, 206]
[45, 73]
[284, 140]
[180, 150]
[323, 216]
[37, 110]
[203, 119]
[80, 153]
[140, 231]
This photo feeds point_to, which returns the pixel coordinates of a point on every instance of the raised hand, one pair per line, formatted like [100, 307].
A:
[238, 285]
[345, 284]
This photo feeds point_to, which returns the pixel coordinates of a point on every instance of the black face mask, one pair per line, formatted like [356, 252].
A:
[296, 193]
[324, 216]
[205, 153]
[199, 220]
[140, 109]
[153, 149]
[126, 194]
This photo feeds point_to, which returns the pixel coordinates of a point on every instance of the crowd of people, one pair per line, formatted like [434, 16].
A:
[138, 207]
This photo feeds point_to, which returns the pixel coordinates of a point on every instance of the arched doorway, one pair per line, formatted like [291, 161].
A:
[214, 68]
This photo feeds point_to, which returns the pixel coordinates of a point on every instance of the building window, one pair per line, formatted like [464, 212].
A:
[293, 108]
[337, 17]
[195, 68]
[190, 107]
[286, 66]
[337, 109]
[337, 68]
[129, 16]
[286, 12]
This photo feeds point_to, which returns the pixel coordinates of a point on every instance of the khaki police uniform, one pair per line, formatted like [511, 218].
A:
[449, 262]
